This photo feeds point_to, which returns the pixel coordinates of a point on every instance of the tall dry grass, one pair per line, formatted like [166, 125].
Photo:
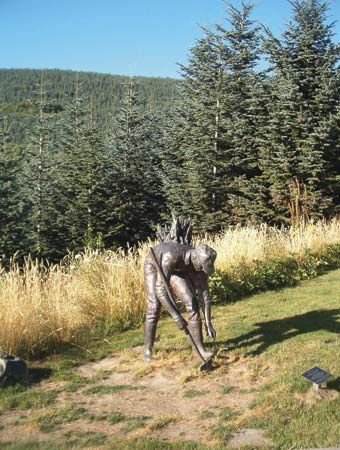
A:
[41, 307]
[244, 245]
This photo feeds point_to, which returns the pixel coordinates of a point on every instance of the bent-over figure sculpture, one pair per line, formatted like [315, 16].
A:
[186, 269]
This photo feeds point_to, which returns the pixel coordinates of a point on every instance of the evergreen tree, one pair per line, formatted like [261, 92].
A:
[79, 175]
[94, 169]
[135, 203]
[218, 141]
[176, 131]
[12, 211]
[300, 141]
[245, 107]
[37, 176]
[200, 125]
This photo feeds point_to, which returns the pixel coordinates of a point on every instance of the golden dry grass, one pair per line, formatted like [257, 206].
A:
[41, 307]
[239, 246]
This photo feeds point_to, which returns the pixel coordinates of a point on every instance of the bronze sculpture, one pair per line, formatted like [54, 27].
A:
[185, 269]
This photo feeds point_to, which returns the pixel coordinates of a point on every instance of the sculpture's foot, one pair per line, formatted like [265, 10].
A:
[147, 355]
[195, 329]
[206, 355]
[149, 338]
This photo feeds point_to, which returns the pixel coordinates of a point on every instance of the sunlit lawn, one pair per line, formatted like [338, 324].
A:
[284, 332]
[290, 331]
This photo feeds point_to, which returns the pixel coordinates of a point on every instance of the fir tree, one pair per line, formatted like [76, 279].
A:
[37, 190]
[12, 208]
[299, 145]
[200, 139]
[94, 167]
[135, 203]
[80, 175]
[218, 142]
[244, 105]
[176, 130]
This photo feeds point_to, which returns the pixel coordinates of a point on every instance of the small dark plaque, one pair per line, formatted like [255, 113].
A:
[317, 375]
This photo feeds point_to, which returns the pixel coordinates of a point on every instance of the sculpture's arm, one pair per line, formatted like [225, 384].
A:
[205, 303]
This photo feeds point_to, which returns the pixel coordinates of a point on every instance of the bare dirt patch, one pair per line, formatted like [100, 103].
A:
[249, 438]
[166, 399]
[312, 397]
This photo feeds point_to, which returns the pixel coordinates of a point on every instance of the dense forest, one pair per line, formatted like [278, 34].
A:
[98, 160]
[18, 87]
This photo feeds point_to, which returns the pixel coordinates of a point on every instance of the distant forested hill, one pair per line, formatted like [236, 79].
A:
[19, 86]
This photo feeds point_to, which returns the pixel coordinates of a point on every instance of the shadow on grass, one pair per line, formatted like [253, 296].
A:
[276, 331]
[334, 384]
[38, 374]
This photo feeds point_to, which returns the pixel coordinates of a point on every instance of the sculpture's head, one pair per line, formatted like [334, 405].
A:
[203, 258]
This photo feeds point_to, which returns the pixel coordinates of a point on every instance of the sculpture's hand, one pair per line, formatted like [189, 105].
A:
[210, 331]
[181, 323]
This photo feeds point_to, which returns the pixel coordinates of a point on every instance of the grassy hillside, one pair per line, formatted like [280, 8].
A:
[255, 397]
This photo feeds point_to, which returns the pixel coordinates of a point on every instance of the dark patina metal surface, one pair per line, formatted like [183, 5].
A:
[317, 375]
[185, 270]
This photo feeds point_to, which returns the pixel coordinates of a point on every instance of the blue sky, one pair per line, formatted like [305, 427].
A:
[129, 37]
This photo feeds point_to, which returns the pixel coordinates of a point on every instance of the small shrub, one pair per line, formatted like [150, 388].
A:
[273, 274]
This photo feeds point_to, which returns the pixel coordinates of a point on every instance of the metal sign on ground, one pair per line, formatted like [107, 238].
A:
[317, 376]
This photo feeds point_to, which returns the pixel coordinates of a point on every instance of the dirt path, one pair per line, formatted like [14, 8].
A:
[123, 397]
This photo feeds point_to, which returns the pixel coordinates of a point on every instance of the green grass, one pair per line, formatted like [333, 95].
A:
[191, 393]
[99, 439]
[280, 333]
[76, 382]
[134, 422]
[156, 444]
[289, 332]
[83, 439]
[19, 397]
[162, 422]
[206, 414]
[116, 417]
[131, 422]
[226, 389]
[223, 432]
[226, 414]
[54, 419]
[103, 389]
[33, 445]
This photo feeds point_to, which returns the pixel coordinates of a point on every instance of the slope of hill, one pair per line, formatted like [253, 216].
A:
[18, 87]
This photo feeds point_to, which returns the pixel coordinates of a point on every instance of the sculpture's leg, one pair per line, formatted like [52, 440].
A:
[152, 312]
[183, 289]
[195, 328]
[149, 339]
